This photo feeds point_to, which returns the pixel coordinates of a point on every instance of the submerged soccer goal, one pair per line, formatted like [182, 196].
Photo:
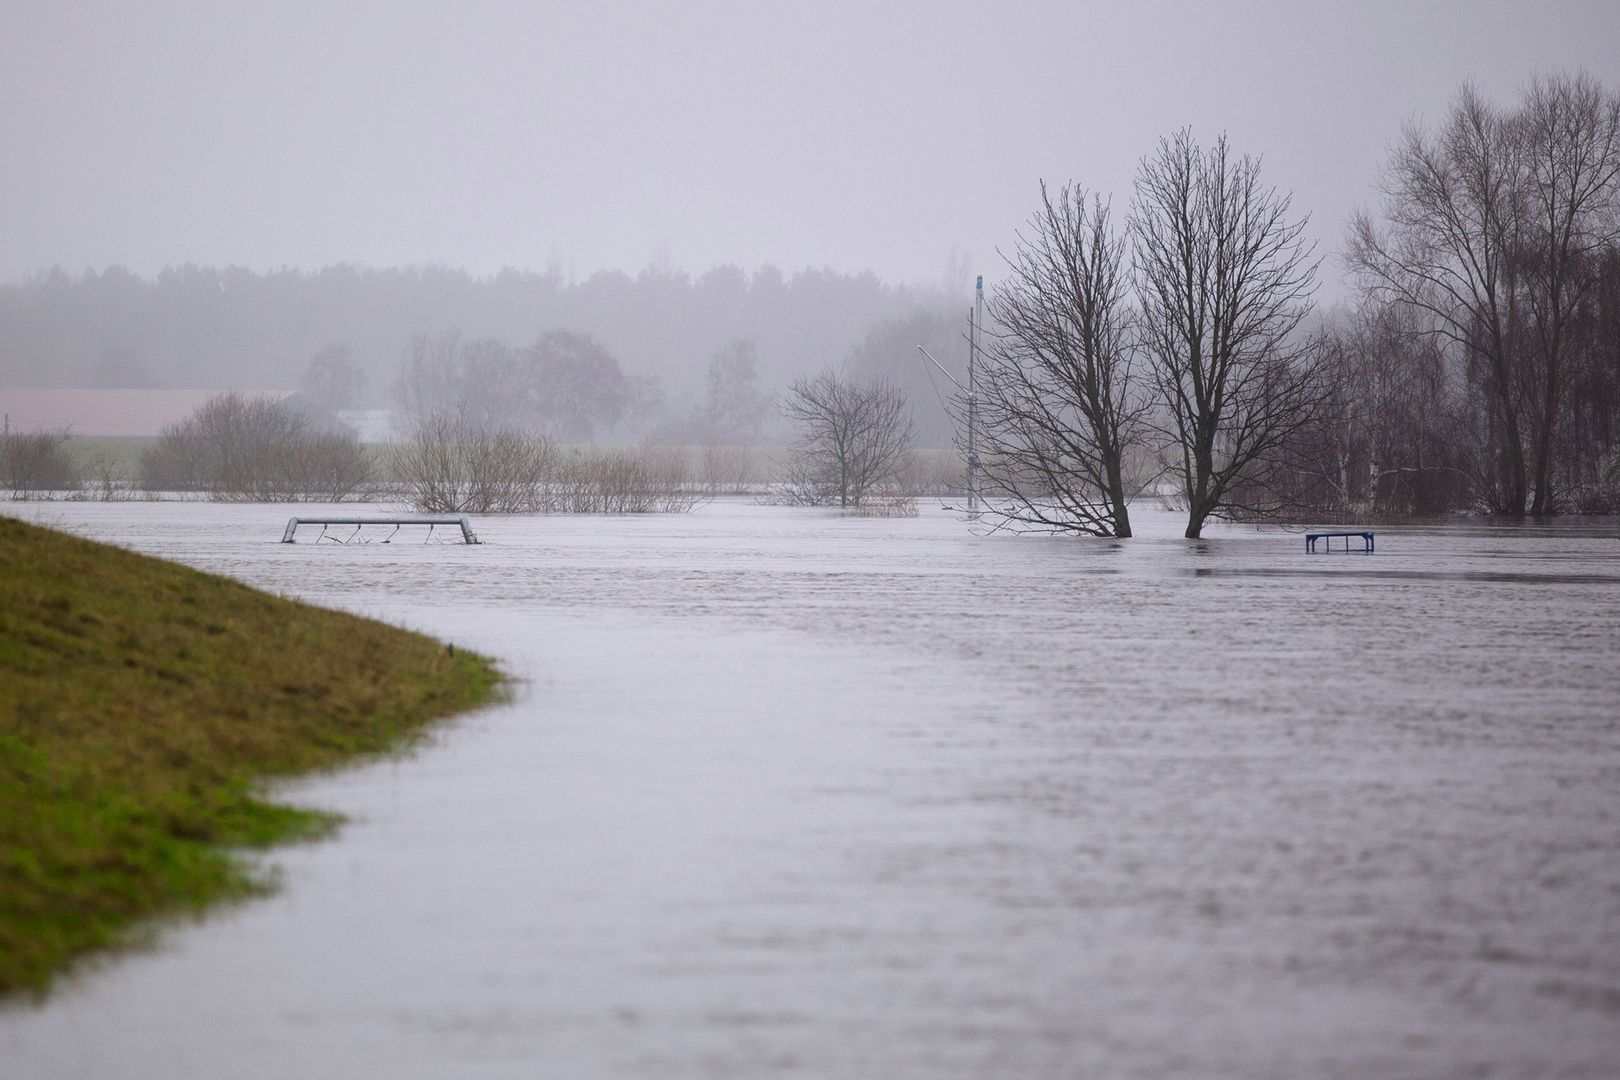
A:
[361, 522]
[1366, 539]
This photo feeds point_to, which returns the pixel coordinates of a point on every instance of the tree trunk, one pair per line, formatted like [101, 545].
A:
[1116, 492]
[1549, 418]
[1198, 507]
[1512, 469]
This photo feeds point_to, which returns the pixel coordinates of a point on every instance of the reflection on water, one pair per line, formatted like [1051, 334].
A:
[789, 793]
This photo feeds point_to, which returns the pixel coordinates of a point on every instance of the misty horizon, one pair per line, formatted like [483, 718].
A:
[857, 139]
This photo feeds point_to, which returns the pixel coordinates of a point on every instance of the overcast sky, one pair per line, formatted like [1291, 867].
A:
[590, 135]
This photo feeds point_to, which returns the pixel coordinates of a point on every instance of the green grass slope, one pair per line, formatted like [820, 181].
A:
[140, 702]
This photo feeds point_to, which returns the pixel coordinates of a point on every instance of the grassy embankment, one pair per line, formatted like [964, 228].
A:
[140, 704]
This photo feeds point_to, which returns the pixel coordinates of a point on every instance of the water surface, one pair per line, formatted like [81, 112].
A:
[787, 793]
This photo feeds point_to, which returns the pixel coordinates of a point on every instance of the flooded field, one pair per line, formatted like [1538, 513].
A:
[788, 793]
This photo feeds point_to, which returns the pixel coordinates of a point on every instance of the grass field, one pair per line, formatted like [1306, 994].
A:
[141, 705]
[118, 461]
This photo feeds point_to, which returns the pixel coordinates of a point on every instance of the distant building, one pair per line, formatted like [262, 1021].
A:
[373, 425]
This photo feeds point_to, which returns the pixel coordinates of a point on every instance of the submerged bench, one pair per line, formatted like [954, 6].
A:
[1366, 540]
[466, 527]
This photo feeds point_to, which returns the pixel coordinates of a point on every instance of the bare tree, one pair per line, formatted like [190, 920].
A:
[1390, 435]
[575, 385]
[430, 379]
[565, 384]
[1446, 250]
[333, 380]
[1567, 133]
[1058, 402]
[733, 409]
[1224, 281]
[1497, 228]
[1590, 436]
[853, 438]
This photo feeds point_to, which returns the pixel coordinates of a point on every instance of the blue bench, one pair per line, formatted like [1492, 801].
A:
[1366, 540]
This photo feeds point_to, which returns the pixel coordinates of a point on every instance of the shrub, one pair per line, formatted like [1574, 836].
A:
[454, 465]
[30, 464]
[241, 448]
[622, 482]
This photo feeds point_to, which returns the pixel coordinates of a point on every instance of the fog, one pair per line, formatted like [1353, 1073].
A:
[208, 197]
[584, 137]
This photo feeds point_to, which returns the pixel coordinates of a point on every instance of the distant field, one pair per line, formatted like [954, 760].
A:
[729, 466]
[122, 455]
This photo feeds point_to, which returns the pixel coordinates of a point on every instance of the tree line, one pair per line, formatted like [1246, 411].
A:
[1478, 369]
[221, 329]
[1484, 357]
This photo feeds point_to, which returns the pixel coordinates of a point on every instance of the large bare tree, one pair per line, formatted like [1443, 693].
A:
[853, 437]
[1567, 134]
[1058, 403]
[1446, 249]
[1225, 281]
[1495, 226]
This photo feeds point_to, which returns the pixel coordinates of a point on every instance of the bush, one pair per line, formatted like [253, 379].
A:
[35, 463]
[886, 502]
[622, 482]
[454, 465]
[239, 448]
[732, 470]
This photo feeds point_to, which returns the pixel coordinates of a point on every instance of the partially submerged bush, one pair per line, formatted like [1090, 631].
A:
[454, 465]
[732, 470]
[641, 481]
[886, 502]
[35, 463]
[241, 448]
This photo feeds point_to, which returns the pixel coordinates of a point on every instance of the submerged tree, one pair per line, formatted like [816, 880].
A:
[1225, 281]
[1497, 227]
[1567, 133]
[853, 438]
[1445, 250]
[1057, 399]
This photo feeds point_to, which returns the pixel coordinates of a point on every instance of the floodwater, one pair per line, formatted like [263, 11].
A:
[784, 793]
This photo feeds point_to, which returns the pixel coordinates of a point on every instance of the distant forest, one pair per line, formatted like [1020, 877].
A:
[207, 328]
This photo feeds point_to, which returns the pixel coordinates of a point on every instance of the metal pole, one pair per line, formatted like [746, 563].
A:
[975, 320]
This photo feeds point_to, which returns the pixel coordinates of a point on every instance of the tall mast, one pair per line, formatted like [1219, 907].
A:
[975, 321]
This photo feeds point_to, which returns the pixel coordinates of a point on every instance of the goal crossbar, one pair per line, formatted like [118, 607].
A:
[409, 519]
